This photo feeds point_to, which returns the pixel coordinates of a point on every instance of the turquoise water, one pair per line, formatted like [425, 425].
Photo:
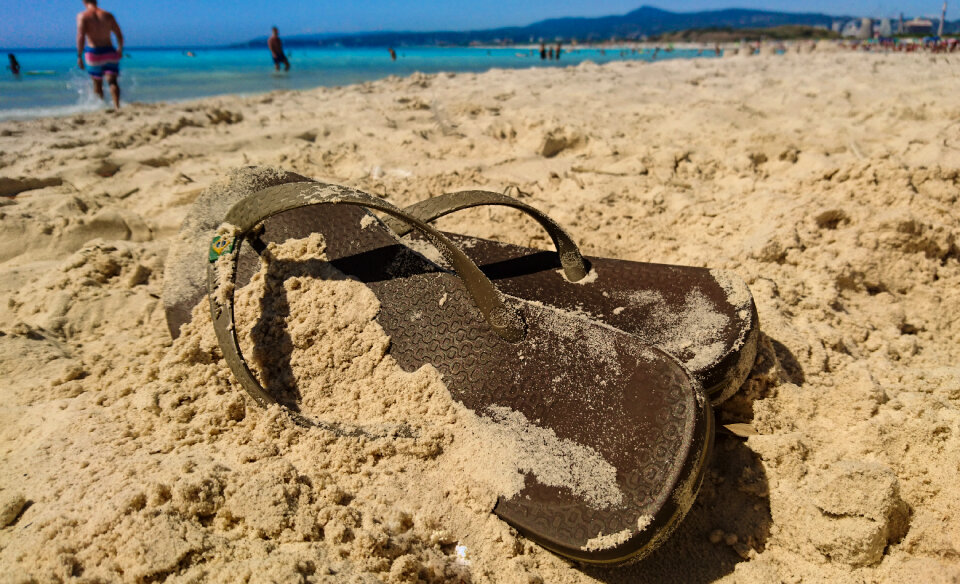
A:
[51, 84]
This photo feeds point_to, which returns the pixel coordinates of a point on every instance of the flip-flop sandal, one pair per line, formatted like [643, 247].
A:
[631, 409]
[706, 318]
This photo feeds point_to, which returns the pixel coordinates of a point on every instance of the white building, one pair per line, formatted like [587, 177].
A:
[851, 29]
[885, 28]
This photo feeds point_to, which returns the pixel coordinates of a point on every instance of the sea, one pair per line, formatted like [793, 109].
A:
[51, 84]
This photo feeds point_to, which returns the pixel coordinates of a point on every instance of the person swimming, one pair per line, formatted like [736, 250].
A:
[14, 65]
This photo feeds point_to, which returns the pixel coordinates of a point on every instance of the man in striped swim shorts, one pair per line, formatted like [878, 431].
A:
[101, 60]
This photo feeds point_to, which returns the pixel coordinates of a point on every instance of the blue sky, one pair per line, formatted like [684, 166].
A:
[51, 23]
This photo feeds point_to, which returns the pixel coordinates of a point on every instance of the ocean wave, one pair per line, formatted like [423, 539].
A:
[54, 111]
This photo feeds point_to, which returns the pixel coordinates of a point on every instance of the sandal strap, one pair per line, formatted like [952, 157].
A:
[246, 214]
[431, 209]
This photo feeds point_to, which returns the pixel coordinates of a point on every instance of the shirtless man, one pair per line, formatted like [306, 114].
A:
[276, 49]
[100, 59]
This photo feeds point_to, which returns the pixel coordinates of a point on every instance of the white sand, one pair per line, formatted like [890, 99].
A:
[829, 182]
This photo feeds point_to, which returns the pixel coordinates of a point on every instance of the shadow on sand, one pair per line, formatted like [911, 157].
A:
[731, 516]
[732, 500]
[272, 344]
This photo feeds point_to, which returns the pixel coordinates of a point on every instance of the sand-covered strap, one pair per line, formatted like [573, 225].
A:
[429, 210]
[252, 210]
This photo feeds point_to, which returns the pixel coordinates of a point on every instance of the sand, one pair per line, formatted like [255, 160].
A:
[829, 182]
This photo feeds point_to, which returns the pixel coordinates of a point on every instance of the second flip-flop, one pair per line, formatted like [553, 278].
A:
[706, 318]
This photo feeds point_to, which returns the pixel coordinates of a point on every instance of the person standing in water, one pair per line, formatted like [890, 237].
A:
[95, 50]
[14, 65]
[543, 52]
[276, 50]
[393, 54]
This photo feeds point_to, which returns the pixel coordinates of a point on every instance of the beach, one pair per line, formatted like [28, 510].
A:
[828, 181]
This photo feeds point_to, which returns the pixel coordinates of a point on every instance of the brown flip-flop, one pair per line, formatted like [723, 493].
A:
[631, 406]
[706, 318]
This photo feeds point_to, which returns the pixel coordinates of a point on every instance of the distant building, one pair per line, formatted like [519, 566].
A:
[918, 26]
[885, 28]
[866, 29]
[836, 26]
[851, 29]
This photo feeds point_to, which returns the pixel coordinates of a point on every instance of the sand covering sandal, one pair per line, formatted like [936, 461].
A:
[630, 404]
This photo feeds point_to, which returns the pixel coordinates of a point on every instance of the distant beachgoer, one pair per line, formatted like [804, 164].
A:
[14, 66]
[557, 51]
[393, 54]
[190, 54]
[543, 52]
[101, 60]
[550, 53]
[276, 50]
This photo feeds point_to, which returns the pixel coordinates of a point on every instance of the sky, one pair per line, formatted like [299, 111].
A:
[51, 23]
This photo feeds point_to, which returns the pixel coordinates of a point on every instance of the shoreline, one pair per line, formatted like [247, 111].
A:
[80, 108]
[86, 103]
[311, 78]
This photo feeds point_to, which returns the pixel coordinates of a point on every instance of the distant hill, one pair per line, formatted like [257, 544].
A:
[728, 35]
[645, 21]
